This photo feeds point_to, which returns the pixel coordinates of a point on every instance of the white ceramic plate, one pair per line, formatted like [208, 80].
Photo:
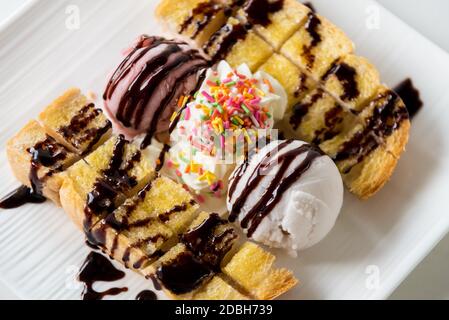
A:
[374, 245]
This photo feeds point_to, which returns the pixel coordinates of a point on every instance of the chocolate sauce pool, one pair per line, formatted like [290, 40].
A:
[146, 295]
[411, 97]
[98, 268]
[20, 197]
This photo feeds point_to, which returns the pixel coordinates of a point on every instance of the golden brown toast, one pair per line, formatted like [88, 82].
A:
[109, 175]
[194, 19]
[141, 227]
[352, 80]
[275, 24]
[318, 117]
[295, 81]
[368, 152]
[219, 289]
[235, 44]
[316, 45]
[75, 122]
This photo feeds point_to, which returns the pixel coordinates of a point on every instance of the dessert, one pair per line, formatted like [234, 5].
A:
[148, 222]
[328, 86]
[233, 110]
[288, 196]
[294, 70]
[144, 91]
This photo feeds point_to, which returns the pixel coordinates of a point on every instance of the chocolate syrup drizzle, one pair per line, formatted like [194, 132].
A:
[302, 86]
[98, 236]
[77, 131]
[115, 179]
[311, 26]
[347, 76]
[301, 109]
[207, 11]
[184, 274]
[279, 184]
[98, 268]
[332, 119]
[410, 95]
[208, 244]
[161, 159]
[309, 5]
[258, 11]
[224, 39]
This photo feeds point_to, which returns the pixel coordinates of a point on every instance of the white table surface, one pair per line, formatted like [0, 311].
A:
[429, 280]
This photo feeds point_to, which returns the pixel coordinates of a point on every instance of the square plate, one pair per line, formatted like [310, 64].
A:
[374, 245]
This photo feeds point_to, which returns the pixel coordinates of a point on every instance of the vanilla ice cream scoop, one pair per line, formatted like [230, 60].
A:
[287, 196]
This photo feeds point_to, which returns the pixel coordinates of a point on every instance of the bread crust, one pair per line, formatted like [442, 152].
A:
[252, 268]
[379, 167]
[72, 203]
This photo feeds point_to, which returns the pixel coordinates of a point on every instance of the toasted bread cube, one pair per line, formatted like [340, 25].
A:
[19, 151]
[296, 83]
[79, 182]
[211, 239]
[218, 289]
[133, 164]
[176, 13]
[319, 117]
[136, 247]
[75, 122]
[146, 223]
[204, 20]
[236, 44]
[165, 201]
[252, 269]
[316, 45]
[85, 177]
[180, 273]
[353, 80]
[285, 19]
[368, 152]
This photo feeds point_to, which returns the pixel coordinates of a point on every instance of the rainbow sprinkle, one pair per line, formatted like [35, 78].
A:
[222, 106]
